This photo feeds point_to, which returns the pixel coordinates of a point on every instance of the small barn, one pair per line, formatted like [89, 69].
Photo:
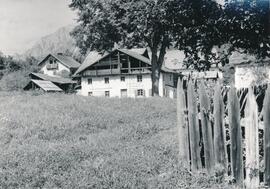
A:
[46, 86]
[59, 84]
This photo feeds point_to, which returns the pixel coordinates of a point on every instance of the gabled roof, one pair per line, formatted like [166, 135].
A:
[47, 86]
[59, 80]
[135, 55]
[93, 57]
[65, 60]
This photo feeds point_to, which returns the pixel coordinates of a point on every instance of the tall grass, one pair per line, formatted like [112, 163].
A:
[67, 141]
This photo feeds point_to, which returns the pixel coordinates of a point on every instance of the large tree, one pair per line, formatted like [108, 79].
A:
[237, 26]
[137, 23]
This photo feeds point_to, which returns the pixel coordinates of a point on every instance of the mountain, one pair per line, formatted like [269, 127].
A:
[59, 41]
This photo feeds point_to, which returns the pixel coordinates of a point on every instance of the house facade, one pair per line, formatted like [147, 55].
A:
[58, 65]
[122, 73]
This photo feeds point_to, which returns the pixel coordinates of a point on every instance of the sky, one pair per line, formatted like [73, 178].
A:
[22, 22]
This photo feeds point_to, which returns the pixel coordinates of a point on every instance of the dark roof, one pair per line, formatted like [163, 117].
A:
[93, 57]
[65, 60]
[135, 55]
[47, 86]
[59, 80]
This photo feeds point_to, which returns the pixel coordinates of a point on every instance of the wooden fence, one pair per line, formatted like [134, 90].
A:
[223, 134]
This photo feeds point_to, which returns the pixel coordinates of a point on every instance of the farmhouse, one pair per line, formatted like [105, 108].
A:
[54, 75]
[123, 73]
[58, 65]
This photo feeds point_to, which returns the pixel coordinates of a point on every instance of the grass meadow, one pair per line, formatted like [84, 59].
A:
[68, 141]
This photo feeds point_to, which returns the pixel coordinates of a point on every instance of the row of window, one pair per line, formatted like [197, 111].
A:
[123, 79]
[139, 92]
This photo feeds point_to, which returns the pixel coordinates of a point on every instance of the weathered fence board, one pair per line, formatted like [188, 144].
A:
[182, 125]
[235, 136]
[219, 130]
[206, 128]
[266, 118]
[215, 139]
[193, 128]
[252, 141]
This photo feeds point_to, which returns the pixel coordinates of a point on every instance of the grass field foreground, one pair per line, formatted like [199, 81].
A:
[67, 141]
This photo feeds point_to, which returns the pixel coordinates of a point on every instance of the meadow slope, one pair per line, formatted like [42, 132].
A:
[67, 141]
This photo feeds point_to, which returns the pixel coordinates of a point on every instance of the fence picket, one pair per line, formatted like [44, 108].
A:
[206, 128]
[266, 118]
[252, 141]
[182, 125]
[235, 136]
[193, 128]
[219, 130]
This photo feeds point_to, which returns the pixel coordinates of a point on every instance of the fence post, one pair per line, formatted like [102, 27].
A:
[219, 131]
[266, 118]
[235, 136]
[206, 128]
[182, 124]
[193, 128]
[252, 141]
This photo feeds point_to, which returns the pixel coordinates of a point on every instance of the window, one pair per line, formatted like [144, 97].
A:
[170, 77]
[123, 92]
[123, 79]
[51, 61]
[107, 80]
[140, 92]
[90, 93]
[139, 78]
[90, 81]
[107, 93]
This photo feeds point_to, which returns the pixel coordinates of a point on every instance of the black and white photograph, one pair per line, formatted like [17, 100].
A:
[139, 94]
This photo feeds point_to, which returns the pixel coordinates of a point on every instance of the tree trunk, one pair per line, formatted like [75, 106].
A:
[157, 61]
[155, 73]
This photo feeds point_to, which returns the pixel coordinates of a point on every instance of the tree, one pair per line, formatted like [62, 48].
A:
[237, 26]
[247, 26]
[201, 32]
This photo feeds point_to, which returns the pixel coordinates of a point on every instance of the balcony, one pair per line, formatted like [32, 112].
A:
[52, 66]
[101, 72]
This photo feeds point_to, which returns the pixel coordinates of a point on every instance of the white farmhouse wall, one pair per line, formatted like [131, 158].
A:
[54, 72]
[98, 86]
[249, 75]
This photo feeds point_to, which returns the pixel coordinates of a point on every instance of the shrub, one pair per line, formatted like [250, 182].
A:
[14, 81]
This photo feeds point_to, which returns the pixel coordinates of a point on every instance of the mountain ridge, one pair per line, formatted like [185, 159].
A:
[59, 41]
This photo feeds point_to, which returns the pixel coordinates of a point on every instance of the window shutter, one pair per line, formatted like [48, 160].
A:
[143, 92]
[136, 93]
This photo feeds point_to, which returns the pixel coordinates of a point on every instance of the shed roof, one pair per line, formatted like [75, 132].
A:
[202, 75]
[59, 80]
[47, 86]
[65, 60]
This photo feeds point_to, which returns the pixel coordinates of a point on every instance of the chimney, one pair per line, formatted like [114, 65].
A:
[60, 53]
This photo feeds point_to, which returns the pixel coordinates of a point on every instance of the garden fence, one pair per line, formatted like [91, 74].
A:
[224, 133]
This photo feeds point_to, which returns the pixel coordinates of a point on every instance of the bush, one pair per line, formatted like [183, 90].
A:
[14, 81]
